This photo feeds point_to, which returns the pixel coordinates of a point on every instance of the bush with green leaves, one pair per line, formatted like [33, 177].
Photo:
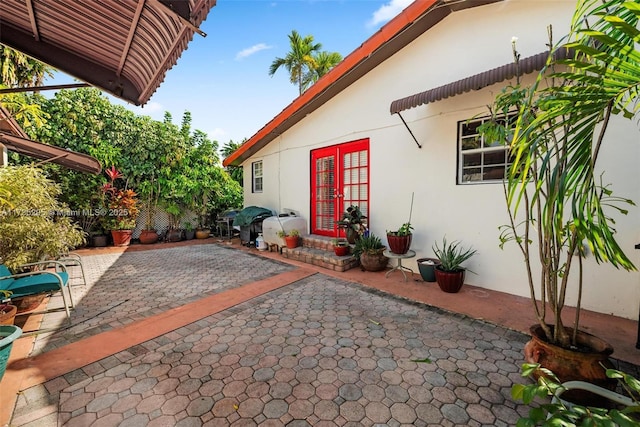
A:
[33, 224]
[556, 412]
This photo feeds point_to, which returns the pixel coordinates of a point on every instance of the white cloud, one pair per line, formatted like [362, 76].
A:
[388, 11]
[251, 50]
[218, 134]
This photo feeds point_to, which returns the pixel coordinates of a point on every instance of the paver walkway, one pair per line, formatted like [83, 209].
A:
[294, 348]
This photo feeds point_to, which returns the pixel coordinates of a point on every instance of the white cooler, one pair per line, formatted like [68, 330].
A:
[273, 224]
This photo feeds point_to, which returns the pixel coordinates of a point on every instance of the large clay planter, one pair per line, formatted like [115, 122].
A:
[449, 281]
[373, 262]
[121, 237]
[399, 244]
[203, 233]
[7, 314]
[148, 237]
[569, 365]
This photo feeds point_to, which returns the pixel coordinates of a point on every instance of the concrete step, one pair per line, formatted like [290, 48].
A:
[318, 250]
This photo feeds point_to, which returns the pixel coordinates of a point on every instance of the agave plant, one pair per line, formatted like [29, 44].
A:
[452, 255]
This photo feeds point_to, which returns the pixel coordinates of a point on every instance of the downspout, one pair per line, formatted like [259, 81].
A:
[638, 337]
[407, 126]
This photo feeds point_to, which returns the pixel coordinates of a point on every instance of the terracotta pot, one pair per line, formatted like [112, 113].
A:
[28, 303]
[373, 262]
[585, 364]
[291, 241]
[148, 237]
[121, 237]
[399, 244]
[8, 314]
[203, 233]
[341, 250]
[449, 281]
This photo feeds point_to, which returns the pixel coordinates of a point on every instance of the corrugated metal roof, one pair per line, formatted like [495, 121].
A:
[123, 47]
[475, 82]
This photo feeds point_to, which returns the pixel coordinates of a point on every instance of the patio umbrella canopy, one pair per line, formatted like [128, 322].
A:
[123, 47]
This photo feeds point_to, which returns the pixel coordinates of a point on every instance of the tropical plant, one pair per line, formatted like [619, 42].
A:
[406, 228]
[324, 62]
[368, 244]
[122, 203]
[305, 62]
[353, 218]
[234, 171]
[452, 255]
[557, 204]
[561, 413]
[19, 70]
[37, 225]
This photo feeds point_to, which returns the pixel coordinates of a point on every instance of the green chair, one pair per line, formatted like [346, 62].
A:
[51, 276]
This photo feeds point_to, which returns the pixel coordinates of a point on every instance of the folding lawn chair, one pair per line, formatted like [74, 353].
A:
[38, 281]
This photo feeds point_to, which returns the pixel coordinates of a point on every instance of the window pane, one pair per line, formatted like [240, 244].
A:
[470, 143]
[363, 158]
[472, 159]
[470, 128]
[492, 173]
[471, 175]
[495, 157]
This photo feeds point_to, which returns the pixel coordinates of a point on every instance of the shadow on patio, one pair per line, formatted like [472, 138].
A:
[169, 334]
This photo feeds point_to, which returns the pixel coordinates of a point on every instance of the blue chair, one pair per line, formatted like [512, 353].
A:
[38, 281]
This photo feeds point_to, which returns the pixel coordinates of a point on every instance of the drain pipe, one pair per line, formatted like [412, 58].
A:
[638, 337]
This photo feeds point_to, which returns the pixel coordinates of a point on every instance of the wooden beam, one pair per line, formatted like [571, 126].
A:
[160, 6]
[132, 32]
[32, 19]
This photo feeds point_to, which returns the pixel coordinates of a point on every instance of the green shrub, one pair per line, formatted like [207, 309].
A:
[33, 224]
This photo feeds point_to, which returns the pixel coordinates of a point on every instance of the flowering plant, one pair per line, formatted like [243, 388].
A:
[121, 204]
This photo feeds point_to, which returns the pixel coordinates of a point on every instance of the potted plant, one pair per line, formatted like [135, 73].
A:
[174, 234]
[122, 209]
[292, 238]
[149, 235]
[8, 334]
[340, 247]
[400, 240]
[607, 409]
[369, 250]
[353, 222]
[450, 272]
[7, 311]
[189, 231]
[555, 198]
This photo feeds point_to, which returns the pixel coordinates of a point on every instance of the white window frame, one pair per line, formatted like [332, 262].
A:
[467, 135]
[257, 176]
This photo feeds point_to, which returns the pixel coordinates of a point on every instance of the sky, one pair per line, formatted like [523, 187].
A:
[223, 79]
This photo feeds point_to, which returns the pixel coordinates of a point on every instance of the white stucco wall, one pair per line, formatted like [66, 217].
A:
[465, 43]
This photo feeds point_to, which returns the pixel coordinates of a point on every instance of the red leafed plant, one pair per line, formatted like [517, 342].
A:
[121, 204]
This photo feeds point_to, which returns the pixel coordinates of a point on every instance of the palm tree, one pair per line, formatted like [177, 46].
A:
[299, 61]
[19, 70]
[325, 61]
[556, 201]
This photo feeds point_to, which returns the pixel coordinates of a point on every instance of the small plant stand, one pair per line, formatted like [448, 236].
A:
[401, 268]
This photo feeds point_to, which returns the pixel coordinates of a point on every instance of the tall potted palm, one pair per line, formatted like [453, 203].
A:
[557, 205]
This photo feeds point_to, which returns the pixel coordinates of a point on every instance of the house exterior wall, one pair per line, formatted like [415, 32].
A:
[465, 43]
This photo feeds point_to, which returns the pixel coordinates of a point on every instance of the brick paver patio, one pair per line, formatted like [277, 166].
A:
[310, 349]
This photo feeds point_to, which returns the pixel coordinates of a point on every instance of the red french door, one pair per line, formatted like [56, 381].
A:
[339, 178]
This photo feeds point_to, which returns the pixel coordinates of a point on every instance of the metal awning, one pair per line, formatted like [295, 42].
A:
[123, 47]
[50, 153]
[477, 81]
[14, 138]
